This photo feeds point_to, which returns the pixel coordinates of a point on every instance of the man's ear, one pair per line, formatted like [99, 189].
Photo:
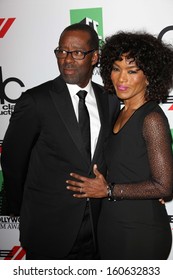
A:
[95, 57]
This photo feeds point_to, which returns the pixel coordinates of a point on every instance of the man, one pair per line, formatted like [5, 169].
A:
[44, 143]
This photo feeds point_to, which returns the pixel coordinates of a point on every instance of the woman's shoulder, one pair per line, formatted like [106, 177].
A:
[150, 108]
[149, 113]
[155, 118]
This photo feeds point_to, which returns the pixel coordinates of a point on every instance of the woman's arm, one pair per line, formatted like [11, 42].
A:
[156, 133]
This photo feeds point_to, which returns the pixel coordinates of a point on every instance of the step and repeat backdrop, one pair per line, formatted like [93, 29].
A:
[29, 32]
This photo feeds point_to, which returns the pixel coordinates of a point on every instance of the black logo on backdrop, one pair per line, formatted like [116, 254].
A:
[164, 31]
[170, 218]
[3, 96]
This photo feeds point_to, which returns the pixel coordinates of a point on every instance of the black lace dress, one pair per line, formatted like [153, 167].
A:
[140, 163]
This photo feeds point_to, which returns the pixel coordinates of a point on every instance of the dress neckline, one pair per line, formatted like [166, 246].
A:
[125, 124]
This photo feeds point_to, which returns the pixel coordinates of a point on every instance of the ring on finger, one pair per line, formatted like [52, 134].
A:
[81, 190]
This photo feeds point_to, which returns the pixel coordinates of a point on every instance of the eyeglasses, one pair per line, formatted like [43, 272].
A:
[77, 55]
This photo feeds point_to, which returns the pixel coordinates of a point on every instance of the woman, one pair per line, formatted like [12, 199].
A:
[133, 223]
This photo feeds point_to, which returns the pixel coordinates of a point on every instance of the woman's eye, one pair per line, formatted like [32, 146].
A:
[114, 68]
[132, 72]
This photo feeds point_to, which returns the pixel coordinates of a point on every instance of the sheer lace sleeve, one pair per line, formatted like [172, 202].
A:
[156, 133]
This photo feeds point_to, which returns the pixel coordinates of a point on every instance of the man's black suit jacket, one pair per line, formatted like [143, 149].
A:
[41, 147]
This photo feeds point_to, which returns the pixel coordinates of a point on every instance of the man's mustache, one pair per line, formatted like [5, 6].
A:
[69, 66]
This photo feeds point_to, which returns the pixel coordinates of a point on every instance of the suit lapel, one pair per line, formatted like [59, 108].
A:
[63, 104]
[102, 104]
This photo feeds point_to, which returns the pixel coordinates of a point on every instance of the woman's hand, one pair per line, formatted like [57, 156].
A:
[87, 187]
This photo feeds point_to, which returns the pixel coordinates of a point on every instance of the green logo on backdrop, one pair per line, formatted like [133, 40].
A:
[92, 17]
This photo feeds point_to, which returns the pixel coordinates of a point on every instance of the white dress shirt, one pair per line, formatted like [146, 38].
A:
[91, 104]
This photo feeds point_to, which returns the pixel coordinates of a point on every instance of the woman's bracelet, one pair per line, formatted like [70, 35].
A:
[110, 188]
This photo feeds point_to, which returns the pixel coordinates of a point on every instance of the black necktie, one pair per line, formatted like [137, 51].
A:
[84, 122]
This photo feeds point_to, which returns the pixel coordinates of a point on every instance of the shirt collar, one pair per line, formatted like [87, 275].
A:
[73, 89]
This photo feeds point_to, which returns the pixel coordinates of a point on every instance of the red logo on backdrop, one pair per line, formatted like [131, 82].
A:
[17, 253]
[171, 108]
[5, 25]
